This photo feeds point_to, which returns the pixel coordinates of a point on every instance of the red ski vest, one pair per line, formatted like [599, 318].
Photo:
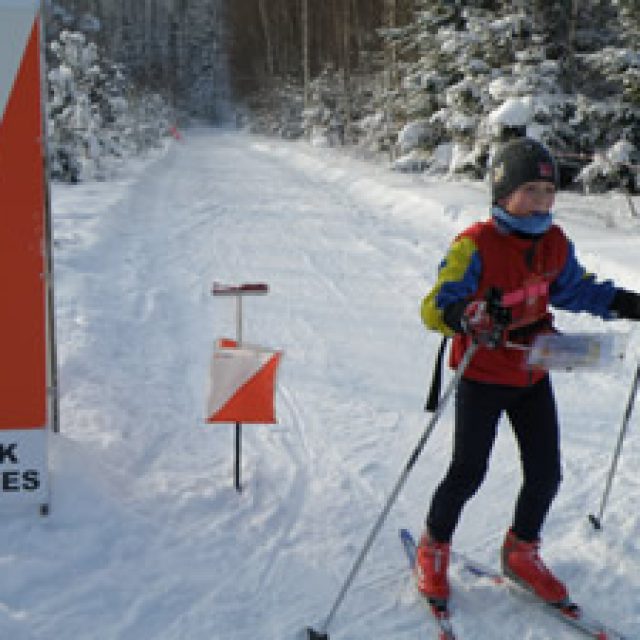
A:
[523, 269]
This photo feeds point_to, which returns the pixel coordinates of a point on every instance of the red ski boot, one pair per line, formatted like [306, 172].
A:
[432, 562]
[522, 563]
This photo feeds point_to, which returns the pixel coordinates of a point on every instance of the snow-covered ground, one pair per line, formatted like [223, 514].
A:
[147, 538]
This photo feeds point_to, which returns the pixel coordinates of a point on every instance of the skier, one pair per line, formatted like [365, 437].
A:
[494, 287]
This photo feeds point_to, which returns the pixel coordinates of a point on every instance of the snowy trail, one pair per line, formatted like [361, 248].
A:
[148, 539]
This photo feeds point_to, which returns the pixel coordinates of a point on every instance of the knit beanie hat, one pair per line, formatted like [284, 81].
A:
[519, 161]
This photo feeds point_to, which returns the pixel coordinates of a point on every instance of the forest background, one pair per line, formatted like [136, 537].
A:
[425, 85]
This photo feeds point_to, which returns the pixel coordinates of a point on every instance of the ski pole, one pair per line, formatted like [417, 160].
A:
[596, 521]
[312, 634]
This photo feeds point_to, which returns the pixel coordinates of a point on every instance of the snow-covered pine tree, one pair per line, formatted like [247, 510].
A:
[424, 71]
[474, 73]
[95, 117]
[608, 103]
[74, 123]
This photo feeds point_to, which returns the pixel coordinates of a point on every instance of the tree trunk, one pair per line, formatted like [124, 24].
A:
[264, 17]
[390, 49]
[305, 50]
[346, 68]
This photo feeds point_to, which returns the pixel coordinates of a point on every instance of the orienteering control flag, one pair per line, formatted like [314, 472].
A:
[243, 381]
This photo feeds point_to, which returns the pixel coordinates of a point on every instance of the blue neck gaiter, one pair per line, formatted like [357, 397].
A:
[533, 225]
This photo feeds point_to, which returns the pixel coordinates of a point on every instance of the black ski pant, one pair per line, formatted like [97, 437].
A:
[533, 416]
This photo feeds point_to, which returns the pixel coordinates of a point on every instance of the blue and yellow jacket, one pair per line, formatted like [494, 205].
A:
[532, 272]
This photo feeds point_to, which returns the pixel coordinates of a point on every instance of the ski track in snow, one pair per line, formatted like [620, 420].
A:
[148, 539]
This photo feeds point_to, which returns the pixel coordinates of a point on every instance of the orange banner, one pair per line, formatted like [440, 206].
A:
[23, 320]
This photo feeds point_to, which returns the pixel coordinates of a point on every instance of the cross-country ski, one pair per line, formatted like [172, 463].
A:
[570, 612]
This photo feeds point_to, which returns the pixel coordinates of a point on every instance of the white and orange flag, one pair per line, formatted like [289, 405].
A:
[243, 382]
[24, 359]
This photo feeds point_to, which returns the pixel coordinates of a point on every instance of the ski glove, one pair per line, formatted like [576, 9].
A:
[626, 305]
[485, 325]
[485, 321]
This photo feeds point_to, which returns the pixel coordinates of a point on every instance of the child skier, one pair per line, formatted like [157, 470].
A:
[521, 257]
